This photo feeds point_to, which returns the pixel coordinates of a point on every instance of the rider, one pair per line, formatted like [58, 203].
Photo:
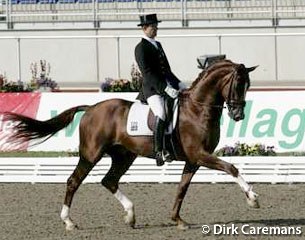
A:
[158, 80]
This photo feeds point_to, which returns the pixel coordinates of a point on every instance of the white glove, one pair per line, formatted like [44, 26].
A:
[182, 86]
[172, 92]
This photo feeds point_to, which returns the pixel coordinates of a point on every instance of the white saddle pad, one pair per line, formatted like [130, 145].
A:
[137, 124]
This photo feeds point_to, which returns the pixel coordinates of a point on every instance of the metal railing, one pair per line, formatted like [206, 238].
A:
[96, 11]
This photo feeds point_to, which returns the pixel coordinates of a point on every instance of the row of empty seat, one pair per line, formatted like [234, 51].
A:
[88, 1]
[229, 2]
[128, 10]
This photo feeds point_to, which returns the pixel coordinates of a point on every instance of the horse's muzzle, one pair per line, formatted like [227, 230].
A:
[239, 117]
[236, 110]
[237, 114]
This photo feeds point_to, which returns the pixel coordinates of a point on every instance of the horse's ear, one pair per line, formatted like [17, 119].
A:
[251, 68]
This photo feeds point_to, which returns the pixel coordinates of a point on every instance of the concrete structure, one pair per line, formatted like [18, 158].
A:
[85, 57]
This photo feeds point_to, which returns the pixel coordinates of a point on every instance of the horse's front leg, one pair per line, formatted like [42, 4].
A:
[214, 162]
[252, 197]
[187, 175]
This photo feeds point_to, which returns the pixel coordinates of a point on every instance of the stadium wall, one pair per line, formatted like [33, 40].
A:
[81, 61]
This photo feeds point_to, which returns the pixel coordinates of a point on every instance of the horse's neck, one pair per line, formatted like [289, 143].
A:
[207, 94]
[205, 101]
[208, 86]
[206, 112]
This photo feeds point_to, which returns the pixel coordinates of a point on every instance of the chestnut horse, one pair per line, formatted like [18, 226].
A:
[103, 130]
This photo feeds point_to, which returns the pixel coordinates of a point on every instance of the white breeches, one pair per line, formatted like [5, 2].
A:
[156, 104]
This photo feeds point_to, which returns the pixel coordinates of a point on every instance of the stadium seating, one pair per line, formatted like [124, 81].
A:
[66, 1]
[85, 1]
[103, 1]
[47, 1]
[172, 10]
[28, 1]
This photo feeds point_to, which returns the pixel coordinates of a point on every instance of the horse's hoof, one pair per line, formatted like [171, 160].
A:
[253, 203]
[183, 226]
[130, 220]
[252, 199]
[71, 227]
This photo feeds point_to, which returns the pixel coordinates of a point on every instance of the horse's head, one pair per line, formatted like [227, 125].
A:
[234, 91]
[223, 81]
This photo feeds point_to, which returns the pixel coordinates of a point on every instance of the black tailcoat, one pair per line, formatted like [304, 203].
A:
[155, 69]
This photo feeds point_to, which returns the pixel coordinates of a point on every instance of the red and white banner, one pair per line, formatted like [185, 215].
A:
[23, 103]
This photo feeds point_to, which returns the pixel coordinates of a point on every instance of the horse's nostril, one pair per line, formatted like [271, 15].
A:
[239, 117]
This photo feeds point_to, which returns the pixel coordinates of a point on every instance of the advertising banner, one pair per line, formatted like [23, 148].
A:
[22, 103]
[272, 118]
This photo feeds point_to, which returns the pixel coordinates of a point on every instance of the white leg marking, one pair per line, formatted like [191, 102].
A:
[252, 197]
[128, 207]
[243, 184]
[64, 215]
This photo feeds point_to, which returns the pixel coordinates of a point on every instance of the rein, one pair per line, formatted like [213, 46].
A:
[205, 104]
[183, 98]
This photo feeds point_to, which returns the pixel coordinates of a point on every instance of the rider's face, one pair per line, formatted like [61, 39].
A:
[150, 30]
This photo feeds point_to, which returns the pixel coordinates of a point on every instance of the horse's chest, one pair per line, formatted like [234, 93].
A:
[210, 136]
[199, 136]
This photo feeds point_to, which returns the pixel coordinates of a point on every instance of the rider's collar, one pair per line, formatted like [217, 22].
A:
[151, 40]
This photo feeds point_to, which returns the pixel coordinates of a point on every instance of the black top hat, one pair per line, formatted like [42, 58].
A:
[148, 19]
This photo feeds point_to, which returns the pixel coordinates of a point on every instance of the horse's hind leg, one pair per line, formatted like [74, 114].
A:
[122, 159]
[214, 162]
[187, 175]
[79, 174]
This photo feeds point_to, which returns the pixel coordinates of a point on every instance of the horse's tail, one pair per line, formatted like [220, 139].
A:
[27, 128]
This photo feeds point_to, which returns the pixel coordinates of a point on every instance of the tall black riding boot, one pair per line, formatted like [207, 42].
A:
[159, 141]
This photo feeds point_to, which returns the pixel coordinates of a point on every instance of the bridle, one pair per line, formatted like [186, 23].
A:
[230, 102]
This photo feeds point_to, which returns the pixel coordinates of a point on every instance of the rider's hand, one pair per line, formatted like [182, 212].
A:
[172, 92]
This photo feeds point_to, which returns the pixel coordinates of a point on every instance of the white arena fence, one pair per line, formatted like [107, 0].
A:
[144, 170]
